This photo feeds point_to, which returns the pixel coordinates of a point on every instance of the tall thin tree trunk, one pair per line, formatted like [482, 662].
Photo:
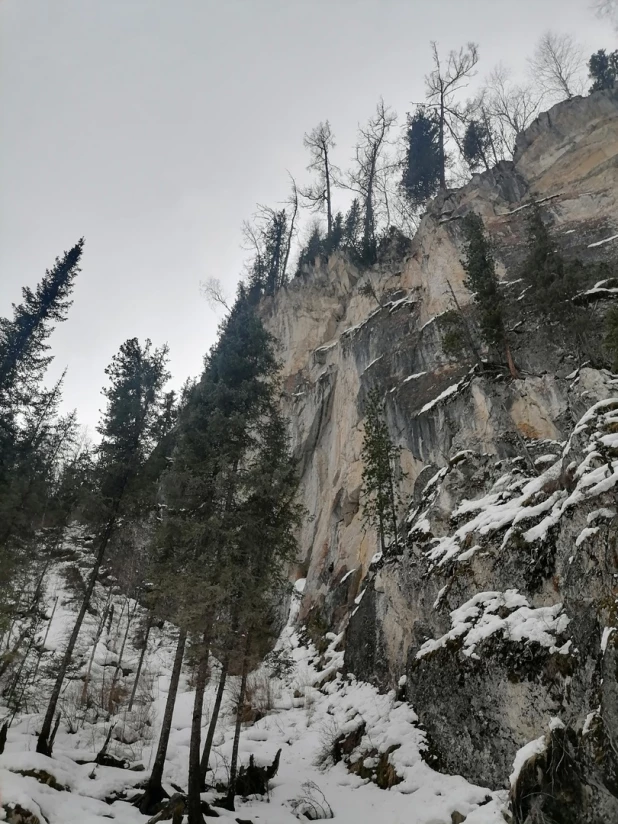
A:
[241, 699]
[194, 803]
[130, 617]
[154, 791]
[44, 742]
[510, 362]
[97, 638]
[329, 212]
[441, 143]
[141, 661]
[42, 647]
[213, 723]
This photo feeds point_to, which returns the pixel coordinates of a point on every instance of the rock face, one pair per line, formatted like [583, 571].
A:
[500, 609]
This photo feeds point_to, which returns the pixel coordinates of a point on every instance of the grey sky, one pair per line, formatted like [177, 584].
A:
[153, 127]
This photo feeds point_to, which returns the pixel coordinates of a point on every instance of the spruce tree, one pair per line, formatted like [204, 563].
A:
[128, 430]
[381, 472]
[26, 409]
[476, 145]
[482, 281]
[421, 167]
[611, 337]
[553, 280]
[603, 70]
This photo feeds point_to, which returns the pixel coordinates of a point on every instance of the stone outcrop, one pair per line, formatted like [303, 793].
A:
[487, 460]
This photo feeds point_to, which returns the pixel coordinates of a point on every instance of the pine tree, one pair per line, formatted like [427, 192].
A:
[421, 167]
[481, 279]
[312, 252]
[128, 429]
[603, 70]
[553, 280]
[611, 336]
[476, 145]
[27, 410]
[381, 471]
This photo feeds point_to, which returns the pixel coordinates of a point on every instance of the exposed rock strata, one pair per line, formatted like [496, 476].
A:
[468, 434]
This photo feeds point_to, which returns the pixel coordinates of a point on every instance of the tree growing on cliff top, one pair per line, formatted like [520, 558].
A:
[381, 474]
[558, 66]
[443, 85]
[320, 142]
[603, 70]
[420, 179]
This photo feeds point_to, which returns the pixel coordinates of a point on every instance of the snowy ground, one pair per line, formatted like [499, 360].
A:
[306, 710]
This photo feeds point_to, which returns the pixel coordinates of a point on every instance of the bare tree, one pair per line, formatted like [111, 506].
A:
[320, 142]
[558, 66]
[607, 9]
[293, 204]
[443, 84]
[507, 108]
[214, 293]
[371, 164]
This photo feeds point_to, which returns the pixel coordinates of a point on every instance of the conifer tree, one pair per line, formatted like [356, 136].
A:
[482, 280]
[380, 457]
[476, 145]
[26, 410]
[128, 429]
[422, 164]
[552, 280]
[603, 70]
[611, 337]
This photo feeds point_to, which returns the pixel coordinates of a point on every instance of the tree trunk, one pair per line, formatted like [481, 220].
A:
[510, 362]
[231, 792]
[441, 143]
[44, 744]
[154, 791]
[213, 724]
[194, 802]
[140, 662]
[130, 617]
[329, 211]
[97, 638]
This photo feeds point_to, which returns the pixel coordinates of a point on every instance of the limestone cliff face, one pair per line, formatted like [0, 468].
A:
[462, 430]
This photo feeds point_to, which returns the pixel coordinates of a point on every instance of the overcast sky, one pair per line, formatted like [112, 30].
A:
[152, 127]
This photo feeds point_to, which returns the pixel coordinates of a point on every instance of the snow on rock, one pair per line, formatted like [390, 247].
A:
[508, 613]
[524, 755]
[532, 506]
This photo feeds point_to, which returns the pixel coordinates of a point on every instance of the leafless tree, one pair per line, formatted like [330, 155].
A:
[371, 163]
[320, 142]
[443, 84]
[558, 66]
[293, 206]
[607, 9]
[214, 293]
[508, 107]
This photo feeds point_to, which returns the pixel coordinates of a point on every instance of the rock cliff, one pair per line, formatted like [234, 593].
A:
[499, 613]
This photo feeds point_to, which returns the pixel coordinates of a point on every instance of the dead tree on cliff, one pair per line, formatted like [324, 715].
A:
[443, 85]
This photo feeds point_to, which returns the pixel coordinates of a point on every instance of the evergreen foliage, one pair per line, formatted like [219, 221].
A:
[611, 337]
[381, 474]
[476, 145]
[603, 70]
[481, 280]
[421, 167]
[553, 280]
